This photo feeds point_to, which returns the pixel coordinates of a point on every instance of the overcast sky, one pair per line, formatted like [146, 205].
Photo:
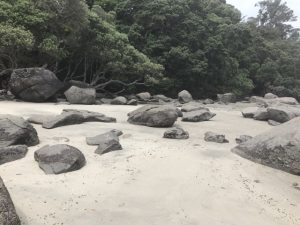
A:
[248, 9]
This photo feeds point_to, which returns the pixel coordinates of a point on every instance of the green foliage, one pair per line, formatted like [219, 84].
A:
[169, 45]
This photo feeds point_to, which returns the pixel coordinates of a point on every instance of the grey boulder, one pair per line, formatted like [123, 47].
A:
[16, 131]
[119, 101]
[34, 84]
[184, 97]
[76, 95]
[154, 116]
[61, 158]
[176, 133]
[8, 215]
[226, 98]
[243, 138]
[73, 116]
[278, 148]
[214, 137]
[198, 116]
[12, 153]
[144, 96]
[106, 142]
[283, 114]
[193, 106]
[270, 96]
[261, 114]
[249, 112]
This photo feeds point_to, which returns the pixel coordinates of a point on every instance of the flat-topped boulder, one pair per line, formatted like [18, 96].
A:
[15, 130]
[61, 158]
[154, 116]
[193, 106]
[283, 114]
[184, 97]
[12, 153]
[278, 148]
[120, 100]
[76, 95]
[74, 116]
[8, 215]
[34, 84]
[198, 116]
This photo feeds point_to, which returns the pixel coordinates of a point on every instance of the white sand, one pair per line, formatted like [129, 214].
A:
[153, 181]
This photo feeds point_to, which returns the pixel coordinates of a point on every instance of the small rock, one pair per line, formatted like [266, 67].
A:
[226, 98]
[198, 116]
[193, 106]
[144, 96]
[184, 97]
[270, 96]
[119, 101]
[208, 101]
[106, 142]
[261, 114]
[243, 138]
[176, 133]
[273, 123]
[132, 102]
[214, 137]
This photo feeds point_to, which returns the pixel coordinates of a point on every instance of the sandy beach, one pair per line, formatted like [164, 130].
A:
[153, 181]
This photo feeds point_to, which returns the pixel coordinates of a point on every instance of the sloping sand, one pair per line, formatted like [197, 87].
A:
[153, 181]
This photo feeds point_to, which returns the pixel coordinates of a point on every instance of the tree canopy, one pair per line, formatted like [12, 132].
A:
[166, 45]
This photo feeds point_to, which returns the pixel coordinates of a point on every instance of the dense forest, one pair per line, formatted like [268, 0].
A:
[164, 46]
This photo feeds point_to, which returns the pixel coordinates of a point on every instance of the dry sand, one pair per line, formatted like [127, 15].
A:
[153, 181]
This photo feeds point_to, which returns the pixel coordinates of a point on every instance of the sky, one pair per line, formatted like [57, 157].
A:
[248, 9]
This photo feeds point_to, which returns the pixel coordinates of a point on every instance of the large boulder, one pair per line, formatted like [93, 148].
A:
[74, 116]
[154, 116]
[12, 153]
[106, 142]
[198, 116]
[226, 98]
[76, 95]
[162, 98]
[16, 131]
[8, 215]
[184, 97]
[60, 158]
[283, 114]
[278, 148]
[34, 84]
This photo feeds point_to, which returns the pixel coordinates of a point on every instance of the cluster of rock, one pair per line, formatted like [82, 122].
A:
[196, 112]
[273, 109]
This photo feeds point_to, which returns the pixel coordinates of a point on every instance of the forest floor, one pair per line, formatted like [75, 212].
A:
[153, 181]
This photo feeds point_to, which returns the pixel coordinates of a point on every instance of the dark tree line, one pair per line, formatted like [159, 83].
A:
[163, 45]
